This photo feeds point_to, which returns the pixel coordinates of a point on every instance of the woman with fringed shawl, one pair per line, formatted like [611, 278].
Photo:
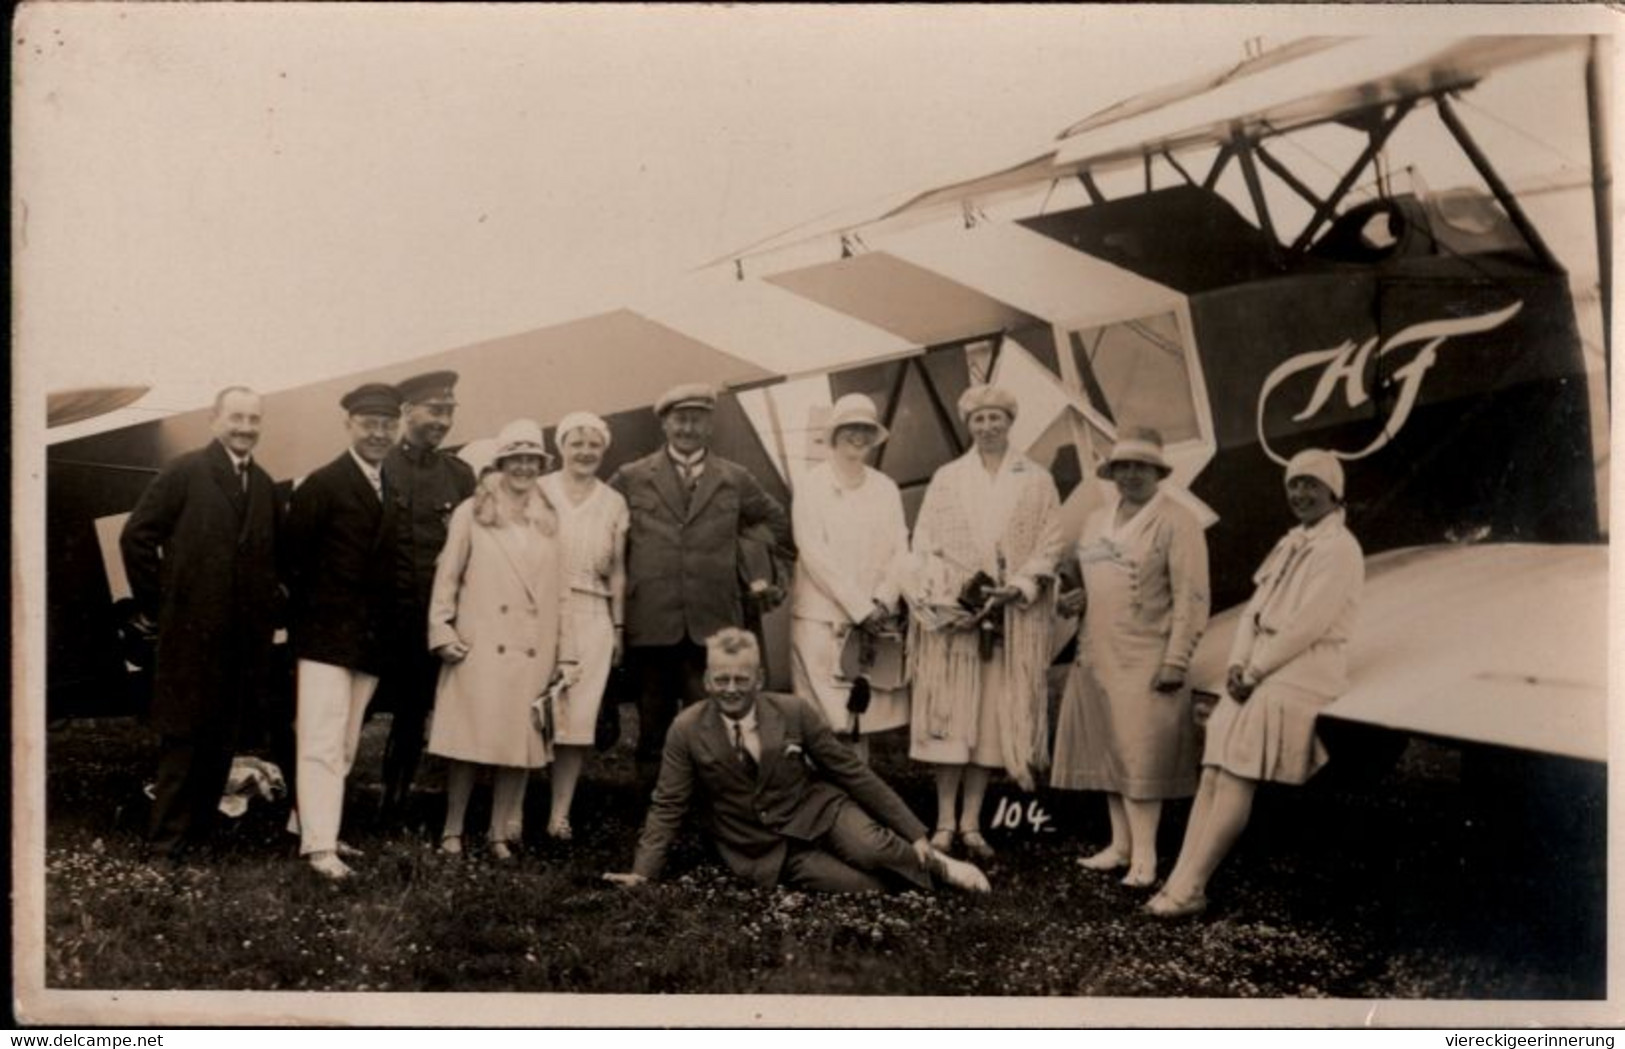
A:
[984, 546]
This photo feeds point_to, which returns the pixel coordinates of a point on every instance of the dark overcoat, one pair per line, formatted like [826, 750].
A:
[804, 776]
[339, 564]
[683, 567]
[200, 555]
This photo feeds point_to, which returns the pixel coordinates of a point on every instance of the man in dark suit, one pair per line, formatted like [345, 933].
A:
[695, 518]
[425, 485]
[200, 553]
[339, 563]
[786, 801]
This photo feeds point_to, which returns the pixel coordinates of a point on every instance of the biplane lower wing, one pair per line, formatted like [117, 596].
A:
[1496, 644]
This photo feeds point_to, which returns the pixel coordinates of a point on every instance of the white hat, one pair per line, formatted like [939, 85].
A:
[1319, 464]
[520, 437]
[1137, 444]
[855, 410]
[581, 421]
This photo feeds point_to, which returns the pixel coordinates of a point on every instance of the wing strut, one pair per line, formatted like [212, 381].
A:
[1379, 138]
[1602, 179]
[1508, 202]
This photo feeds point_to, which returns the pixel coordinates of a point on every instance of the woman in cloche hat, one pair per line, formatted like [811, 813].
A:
[1125, 726]
[495, 620]
[1287, 662]
[852, 540]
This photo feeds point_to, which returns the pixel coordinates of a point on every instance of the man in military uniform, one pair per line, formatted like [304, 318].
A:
[426, 484]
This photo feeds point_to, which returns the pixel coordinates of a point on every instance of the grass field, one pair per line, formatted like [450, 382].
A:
[1388, 887]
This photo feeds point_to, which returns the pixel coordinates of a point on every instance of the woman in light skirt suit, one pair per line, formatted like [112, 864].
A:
[1288, 662]
[592, 528]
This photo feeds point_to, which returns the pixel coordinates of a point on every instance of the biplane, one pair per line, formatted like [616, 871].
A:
[1192, 279]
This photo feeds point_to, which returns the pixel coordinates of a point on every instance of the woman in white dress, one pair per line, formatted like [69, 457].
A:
[1125, 726]
[495, 616]
[988, 534]
[851, 541]
[1288, 661]
[592, 527]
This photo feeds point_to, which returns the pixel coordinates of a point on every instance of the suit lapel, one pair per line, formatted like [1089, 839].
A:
[663, 472]
[708, 484]
[513, 550]
[770, 729]
[718, 738]
[225, 475]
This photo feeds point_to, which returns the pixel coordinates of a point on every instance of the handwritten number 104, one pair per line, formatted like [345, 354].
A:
[1012, 814]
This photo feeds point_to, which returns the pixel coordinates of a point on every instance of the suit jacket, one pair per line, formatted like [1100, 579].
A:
[338, 563]
[804, 776]
[684, 564]
[200, 555]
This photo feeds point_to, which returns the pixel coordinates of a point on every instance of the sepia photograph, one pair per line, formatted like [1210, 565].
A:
[812, 515]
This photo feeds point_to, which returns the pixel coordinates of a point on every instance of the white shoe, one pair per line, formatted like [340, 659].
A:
[962, 875]
[329, 866]
[347, 851]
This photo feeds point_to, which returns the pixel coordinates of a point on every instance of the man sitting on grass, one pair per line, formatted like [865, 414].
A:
[786, 801]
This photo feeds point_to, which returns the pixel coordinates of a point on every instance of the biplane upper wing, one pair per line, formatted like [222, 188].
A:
[1309, 81]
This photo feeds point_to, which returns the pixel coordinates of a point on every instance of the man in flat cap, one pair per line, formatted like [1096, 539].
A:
[200, 553]
[702, 540]
[425, 484]
[338, 563]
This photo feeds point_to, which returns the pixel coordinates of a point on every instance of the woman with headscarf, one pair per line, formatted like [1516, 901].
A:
[986, 540]
[592, 530]
[495, 619]
[1125, 725]
[1287, 662]
[852, 539]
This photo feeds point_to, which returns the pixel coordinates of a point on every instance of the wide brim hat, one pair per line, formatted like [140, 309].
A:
[855, 410]
[689, 395]
[1140, 445]
[520, 437]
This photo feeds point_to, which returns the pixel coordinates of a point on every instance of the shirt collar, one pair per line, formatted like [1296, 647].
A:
[747, 724]
[687, 460]
[367, 468]
[238, 462]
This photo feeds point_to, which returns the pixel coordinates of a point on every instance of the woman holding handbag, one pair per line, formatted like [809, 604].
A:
[495, 620]
[1125, 726]
[852, 539]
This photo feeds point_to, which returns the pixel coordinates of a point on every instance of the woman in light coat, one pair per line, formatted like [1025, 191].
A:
[852, 542]
[494, 619]
[1125, 726]
[1288, 661]
[592, 526]
[988, 534]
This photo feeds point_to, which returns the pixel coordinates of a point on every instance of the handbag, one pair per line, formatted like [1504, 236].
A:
[543, 710]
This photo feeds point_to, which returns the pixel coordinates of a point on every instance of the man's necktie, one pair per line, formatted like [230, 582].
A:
[746, 762]
[242, 476]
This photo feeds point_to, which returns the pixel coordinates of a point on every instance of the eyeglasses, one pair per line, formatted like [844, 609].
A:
[369, 424]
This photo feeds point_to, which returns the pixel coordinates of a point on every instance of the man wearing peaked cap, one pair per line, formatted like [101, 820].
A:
[689, 395]
[704, 537]
[425, 486]
[337, 560]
